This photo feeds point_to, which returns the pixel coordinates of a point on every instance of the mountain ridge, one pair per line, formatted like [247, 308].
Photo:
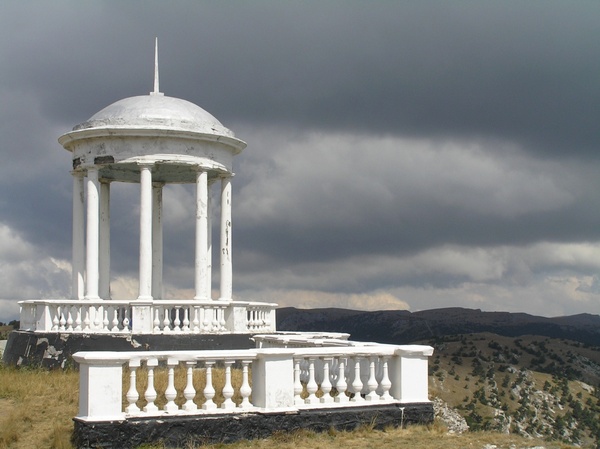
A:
[403, 326]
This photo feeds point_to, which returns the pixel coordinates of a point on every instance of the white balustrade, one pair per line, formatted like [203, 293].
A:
[260, 319]
[266, 379]
[165, 316]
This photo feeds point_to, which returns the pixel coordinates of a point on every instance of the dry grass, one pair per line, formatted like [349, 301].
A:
[413, 437]
[37, 407]
[199, 381]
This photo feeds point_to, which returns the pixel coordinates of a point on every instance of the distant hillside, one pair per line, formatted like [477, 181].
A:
[402, 326]
[508, 372]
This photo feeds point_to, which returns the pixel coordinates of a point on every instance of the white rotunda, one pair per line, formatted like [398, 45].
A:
[152, 140]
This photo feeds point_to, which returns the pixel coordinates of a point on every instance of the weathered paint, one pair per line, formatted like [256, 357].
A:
[151, 140]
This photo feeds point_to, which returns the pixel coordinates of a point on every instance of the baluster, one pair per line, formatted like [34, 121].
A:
[206, 322]
[386, 384]
[167, 320]
[222, 322]
[125, 319]
[209, 390]
[248, 319]
[254, 320]
[245, 389]
[150, 394]
[97, 316]
[177, 321]
[297, 383]
[333, 371]
[190, 392]
[215, 319]
[196, 321]
[311, 386]
[171, 392]
[86, 320]
[132, 394]
[69, 318]
[341, 386]
[105, 321]
[157, 320]
[326, 384]
[56, 319]
[61, 321]
[357, 383]
[78, 322]
[115, 320]
[186, 320]
[372, 382]
[91, 311]
[228, 388]
[251, 319]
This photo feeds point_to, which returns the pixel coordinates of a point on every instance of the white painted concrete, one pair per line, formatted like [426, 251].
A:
[92, 234]
[349, 374]
[153, 140]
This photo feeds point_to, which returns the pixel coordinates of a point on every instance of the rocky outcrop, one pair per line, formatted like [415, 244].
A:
[449, 417]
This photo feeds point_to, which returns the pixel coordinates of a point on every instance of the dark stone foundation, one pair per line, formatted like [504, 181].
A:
[54, 350]
[181, 431]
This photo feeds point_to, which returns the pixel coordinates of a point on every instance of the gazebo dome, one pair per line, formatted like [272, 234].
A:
[156, 112]
[176, 135]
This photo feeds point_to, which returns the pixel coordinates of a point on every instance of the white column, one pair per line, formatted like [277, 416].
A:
[201, 259]
[145, 287]
[78, 241]
[226, 265]
[209, 215]
[104, 255]
[157, 241]
[92, 234]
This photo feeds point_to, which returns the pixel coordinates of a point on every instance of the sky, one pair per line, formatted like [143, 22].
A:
[401, 154]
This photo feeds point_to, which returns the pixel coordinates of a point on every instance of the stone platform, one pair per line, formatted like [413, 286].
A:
[180, 431]
[54, 350]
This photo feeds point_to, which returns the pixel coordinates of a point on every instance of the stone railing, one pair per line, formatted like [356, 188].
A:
[146, 317]
[271, 379]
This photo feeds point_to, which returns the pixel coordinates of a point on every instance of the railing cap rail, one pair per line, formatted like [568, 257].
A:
[114, 357]
[133, 302]
[97, 357]
[305, 335]
[415, 350]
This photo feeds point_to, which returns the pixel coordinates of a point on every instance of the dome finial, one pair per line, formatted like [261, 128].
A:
[156, 91]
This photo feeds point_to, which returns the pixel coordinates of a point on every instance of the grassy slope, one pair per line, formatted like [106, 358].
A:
[37, 407]
[497, 383]
[36, 410]
[480, 374]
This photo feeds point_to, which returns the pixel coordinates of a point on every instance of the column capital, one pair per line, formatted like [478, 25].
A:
[145, 164]
[78, 173]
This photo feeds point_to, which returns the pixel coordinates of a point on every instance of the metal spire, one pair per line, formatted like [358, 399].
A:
[156, 91]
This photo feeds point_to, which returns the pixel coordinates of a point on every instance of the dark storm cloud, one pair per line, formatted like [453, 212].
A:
[525, 72]
[361, 119]
[349, 195]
